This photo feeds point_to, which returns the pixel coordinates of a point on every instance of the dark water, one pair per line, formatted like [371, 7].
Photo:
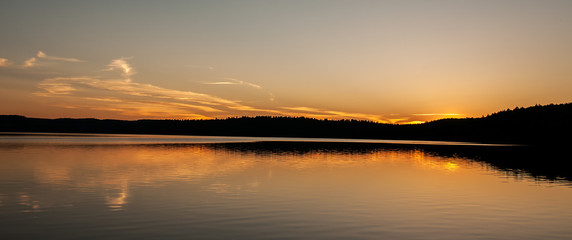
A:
[98, 187]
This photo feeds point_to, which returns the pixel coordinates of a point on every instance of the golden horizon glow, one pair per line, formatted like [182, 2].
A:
[402, 62]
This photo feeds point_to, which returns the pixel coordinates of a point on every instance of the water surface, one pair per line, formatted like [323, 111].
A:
[101, 187]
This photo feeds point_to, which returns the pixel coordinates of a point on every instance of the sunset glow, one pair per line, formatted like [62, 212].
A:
[403, 62]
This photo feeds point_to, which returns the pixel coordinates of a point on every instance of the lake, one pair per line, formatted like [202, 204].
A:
[88, 186]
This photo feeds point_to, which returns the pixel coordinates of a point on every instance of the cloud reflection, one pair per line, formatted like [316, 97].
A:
[114, 171]
[116, 198]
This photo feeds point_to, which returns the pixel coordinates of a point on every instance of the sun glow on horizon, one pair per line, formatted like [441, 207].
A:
[396, 62]
[126, 97]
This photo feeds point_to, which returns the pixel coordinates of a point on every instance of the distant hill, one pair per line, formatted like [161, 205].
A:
[537, 125]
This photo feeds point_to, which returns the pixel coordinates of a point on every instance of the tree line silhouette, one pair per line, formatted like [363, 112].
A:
[535, 125]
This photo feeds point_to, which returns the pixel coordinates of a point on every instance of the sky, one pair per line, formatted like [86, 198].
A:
[385, 61]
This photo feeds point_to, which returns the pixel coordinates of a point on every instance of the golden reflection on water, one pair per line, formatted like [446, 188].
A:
[31, 204]
[112, 171]
[433, 162]
[116, 198]
[321, 159]
[185, 188]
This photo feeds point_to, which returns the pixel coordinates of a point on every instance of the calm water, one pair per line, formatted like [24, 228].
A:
[127, 187]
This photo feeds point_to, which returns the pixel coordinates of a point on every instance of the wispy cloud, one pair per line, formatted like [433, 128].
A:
[220, 83]
[146, 100]
[122, 87]
[4, 62]
[30, 62]
[133, 108]
[65, 59]
[126, 97]
[54, 87]
[122, 65]
[233, 81]
[145, 108]
[35, 61]
[130, 98]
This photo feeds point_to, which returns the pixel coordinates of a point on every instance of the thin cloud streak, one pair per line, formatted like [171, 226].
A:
[65, 59]
[233, 81]
[129, 98]
[63, 85]
[172, 100]
[148, 108]
[133, 108]
[220, 83]
[56, 88]
[34, 61]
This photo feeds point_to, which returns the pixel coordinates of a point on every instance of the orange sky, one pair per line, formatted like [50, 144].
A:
[386, 61]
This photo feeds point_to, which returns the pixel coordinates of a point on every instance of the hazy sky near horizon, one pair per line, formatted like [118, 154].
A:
[387, 61]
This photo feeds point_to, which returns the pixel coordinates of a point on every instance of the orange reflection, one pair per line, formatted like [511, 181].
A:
[114, 170]
[117, 198]
[447, 164]
[31, 204]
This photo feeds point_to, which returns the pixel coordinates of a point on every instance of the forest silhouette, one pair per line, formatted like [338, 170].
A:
[540, 125]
